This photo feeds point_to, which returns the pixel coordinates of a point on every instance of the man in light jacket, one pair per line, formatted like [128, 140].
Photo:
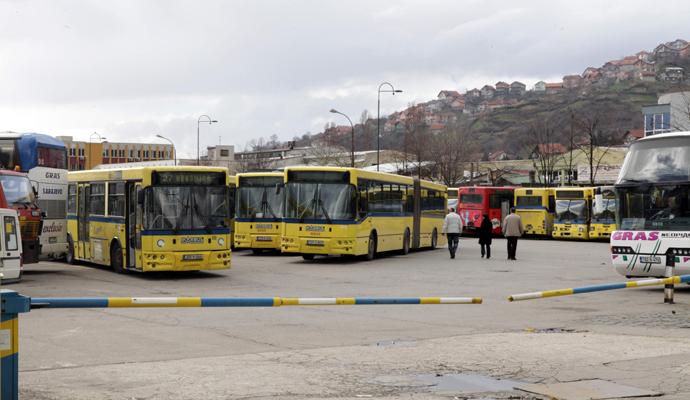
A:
[512, 230]
[452, 227]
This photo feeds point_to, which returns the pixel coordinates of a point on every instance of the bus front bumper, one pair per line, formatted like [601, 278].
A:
[257, 241]
[320, 245]
[570, 231]
[186, 261]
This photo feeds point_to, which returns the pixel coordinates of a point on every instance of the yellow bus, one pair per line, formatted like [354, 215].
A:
[259, 207]
[536, 207]
[348, 211]
[150, 218]
[603, 213]
[573, 213]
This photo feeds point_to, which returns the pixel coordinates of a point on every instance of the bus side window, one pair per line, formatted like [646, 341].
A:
[363, 205]
[552, 203]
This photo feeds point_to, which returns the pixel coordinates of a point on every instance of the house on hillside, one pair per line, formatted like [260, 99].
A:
[473, 93]
[488, 91]
[673, 74]
[457, 104]
[540, 87]
[572, 81]
[550, 149]
[502, 88]
[436, 127]
[646, 76]
[448, 96]
[591, 76]
[495, 104]
[644, 55]
[517, 89]
[553, 88]
[670, 51]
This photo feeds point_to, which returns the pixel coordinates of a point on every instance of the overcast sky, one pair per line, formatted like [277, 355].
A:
[132, 69]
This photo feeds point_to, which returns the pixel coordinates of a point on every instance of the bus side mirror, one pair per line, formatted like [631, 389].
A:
[278, 188]
[35, 191]
[140, 197]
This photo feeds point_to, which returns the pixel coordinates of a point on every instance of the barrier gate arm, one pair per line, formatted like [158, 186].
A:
[599, 288]
[139, 302]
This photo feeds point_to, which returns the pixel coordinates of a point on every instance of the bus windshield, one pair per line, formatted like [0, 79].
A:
[604, 210]
[570, 210]
[657, 161]
[466, 198]
[17, 189]
[528, 201]
[329, 201]
[260, 202]
[186, 207]
[654, 207]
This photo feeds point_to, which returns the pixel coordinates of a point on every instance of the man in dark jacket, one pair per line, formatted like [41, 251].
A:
[485, 232]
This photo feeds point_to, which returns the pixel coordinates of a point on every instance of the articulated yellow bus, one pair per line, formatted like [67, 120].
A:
[348, 211]
[573, 213]
[603, 213]
[536, 207]
[259, 217]
[150, 219]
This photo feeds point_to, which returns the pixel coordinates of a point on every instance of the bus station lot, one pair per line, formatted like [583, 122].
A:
[628, 337]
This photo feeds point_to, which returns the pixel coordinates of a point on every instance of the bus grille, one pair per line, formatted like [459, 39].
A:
[30, 229]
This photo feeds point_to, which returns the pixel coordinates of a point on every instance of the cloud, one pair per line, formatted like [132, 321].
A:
[132, 69]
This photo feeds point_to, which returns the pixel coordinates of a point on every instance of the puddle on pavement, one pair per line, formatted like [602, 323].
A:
[467, 383]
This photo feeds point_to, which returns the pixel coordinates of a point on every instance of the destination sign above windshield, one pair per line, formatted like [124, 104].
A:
[185, 178]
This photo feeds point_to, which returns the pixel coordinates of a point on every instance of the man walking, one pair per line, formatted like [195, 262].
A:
[452, 227]
[512, 230]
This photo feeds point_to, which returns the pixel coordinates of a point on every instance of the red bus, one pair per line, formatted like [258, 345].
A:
[475, 201]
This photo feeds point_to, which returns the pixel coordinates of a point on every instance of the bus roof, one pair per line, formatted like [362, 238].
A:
[406, 180]
[134, 173]
[661, 136]
[258, 174]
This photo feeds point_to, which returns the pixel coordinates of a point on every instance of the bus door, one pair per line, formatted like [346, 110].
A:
[82, 243]
[417, 214]
[505, 209]
[10, 260]
[134, 223]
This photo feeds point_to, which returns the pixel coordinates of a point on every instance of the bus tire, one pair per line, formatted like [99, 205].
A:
[434, 239]
[406, 242]
[308, 257]
[257, 252]
[116, 261]
[371, 247]
[69, 257]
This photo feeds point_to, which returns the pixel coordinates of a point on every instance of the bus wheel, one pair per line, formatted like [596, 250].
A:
[406, 242]
[257, 252]
[371, 250]
[69, 257]
[434, 239]
[308, 257]
[116, 258]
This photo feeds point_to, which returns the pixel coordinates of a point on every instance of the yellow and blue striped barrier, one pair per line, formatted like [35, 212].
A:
[12, 305]
[599, 288]
[135, 302]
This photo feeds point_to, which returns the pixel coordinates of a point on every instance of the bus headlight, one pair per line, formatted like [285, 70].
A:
[221, 242]
[160, 243]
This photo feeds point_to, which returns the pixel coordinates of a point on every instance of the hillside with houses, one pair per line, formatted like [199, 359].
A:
[500, 114]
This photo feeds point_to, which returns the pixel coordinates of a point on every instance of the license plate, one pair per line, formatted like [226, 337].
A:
[192, 257]
[650, 259]
[315, 243]
[263, 239]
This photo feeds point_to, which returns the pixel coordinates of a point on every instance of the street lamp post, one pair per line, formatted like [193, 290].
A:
[173, 146]
[198, 121]
[378, 120]
[352, 139]
[102, 139]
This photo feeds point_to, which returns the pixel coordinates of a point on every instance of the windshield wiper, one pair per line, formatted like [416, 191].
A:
[312, 205]
[264, 204]
[325, 212]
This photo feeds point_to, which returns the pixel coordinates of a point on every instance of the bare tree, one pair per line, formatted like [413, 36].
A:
[451, 148]
[596, 141]
[254, 157]
[680, 109]
[416, 141]
[497, 173]
[544, 151]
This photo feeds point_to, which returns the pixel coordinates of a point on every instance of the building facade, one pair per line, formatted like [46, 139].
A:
[671, 114]
[87, 155]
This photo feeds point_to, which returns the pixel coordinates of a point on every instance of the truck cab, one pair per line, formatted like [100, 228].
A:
[16, 192]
